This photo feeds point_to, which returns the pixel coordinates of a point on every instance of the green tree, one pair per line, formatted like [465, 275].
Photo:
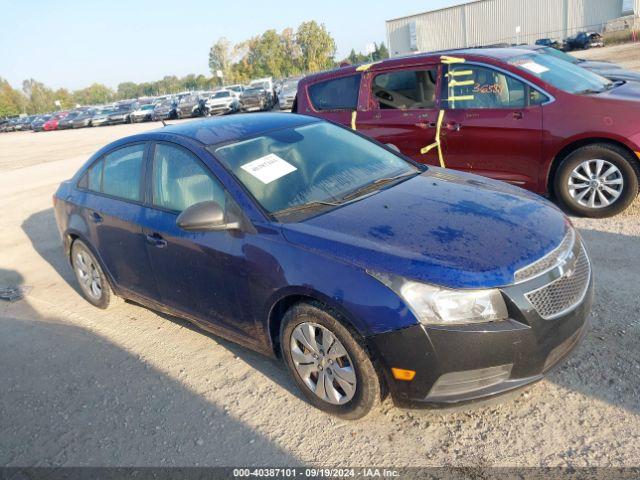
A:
[12, 101]
[40, 98]
[220, 57]
[317, 46]
[381, 52]
[94, 95]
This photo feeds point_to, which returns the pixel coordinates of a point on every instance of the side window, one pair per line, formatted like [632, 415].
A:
[406, 89]
[536, 97]
[471, 86]
[179, 180]
[122, 172]
[94, 177]
[337, 94]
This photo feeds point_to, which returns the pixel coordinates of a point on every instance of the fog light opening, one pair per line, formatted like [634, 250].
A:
[468, 381]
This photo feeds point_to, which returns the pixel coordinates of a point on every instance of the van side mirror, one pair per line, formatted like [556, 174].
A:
[206, 216]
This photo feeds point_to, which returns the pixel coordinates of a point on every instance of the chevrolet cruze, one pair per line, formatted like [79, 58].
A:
[365, 272]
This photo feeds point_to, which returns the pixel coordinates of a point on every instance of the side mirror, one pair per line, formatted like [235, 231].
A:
[205, 216]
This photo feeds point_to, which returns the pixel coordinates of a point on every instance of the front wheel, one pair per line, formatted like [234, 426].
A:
[330, 365]
[597, 181]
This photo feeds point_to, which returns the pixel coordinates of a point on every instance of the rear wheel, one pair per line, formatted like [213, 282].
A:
[329, 364]
[597, 181]
[93, 283]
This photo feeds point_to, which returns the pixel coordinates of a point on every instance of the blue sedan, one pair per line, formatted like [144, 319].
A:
[365, 272]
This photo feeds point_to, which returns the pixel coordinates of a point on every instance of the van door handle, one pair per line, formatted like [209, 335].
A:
[156, 240]
[453, 126]
[518, 116]
[96, 217]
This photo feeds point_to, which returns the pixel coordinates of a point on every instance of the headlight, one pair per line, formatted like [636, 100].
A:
[441, 306]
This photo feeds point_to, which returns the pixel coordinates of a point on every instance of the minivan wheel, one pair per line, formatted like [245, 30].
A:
[328, 363]
[597, 181]
[93, 283]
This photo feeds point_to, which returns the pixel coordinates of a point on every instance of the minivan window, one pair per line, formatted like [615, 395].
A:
[337, 94]
[122, 172]
[406, 89]
[561, 74]
[471, 86]
[179, 180]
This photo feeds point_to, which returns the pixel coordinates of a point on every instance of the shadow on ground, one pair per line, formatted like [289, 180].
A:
[71, 397]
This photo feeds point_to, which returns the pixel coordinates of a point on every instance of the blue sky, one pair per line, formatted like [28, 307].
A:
[73, 43]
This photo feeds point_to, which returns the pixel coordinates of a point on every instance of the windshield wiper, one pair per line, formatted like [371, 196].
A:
[374, 185]
[305, 206]
[589, 91]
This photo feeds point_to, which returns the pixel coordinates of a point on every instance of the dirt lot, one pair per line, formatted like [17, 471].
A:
[81, 386]
[626, 55]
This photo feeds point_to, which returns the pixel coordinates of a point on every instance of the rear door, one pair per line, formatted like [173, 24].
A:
[113, 209]
[492, 124]
[335, 99]
[402, 109]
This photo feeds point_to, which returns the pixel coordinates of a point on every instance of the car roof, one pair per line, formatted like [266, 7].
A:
[232, 128]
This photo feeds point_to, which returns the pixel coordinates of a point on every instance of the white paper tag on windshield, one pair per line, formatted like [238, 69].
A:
[268, 168]
[535, 67]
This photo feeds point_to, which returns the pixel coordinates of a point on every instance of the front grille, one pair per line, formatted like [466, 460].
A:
[565, 293]
[549, 261]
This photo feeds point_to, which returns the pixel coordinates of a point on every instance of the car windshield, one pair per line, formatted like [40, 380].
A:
[253, 90]
[146, 107]
[561, 74]
[290, 86]
[312, 165]
[221, 95]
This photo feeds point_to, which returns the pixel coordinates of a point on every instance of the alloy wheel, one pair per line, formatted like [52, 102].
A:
[323, 363]
[596, 183]
[88, 275]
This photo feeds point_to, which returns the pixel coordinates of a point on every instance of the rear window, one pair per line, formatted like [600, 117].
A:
[336, 94]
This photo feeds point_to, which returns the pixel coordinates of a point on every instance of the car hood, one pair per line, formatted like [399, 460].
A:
[449, 229]
[630, 91]
[619, 74]
[593, 65]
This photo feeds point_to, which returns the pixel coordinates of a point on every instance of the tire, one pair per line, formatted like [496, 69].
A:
[618, 189]
[83, 260]
[348, 403]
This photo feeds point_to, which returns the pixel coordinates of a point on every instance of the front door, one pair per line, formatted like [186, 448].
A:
[492, 124]
[402, 110]
[202, 274]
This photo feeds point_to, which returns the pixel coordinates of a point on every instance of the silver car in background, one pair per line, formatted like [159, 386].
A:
[221, 102]
[287, 93]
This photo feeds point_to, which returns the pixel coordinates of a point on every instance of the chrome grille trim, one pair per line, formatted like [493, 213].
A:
[549, 261]
[566, 292]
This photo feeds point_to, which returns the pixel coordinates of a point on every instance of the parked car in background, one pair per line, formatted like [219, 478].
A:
[165, 110]
[10, 124]
[101, 117]
[52, 123]
[143, 113]
[221, 102]
[190, 106]
[66, 122]
[287, 93]
[507, 114]
[584, 40]
[608, 70]
[255, 98]
[268, 86]
[547, 42]
[122, 113]
[4, 123]
[595, 40]
[235, 88]
[84, 118]
[38, 123]
[23, 123]
[278, 212]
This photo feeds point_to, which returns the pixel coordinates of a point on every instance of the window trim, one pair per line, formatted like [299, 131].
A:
[151, 170]
[143, 171]
[515, 76]
[341, 77]
[421, 67]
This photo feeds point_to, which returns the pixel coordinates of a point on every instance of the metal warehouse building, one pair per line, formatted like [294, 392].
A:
[485, 22]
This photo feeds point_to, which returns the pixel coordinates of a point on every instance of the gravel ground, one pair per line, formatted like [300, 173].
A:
[81, 386]
[626, 55]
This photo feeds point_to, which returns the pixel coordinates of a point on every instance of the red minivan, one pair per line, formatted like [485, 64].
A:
[524, 117]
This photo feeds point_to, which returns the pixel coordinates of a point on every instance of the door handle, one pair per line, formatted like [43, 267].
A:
[453, 126]
[96, 217]
[518, 115]
[432, 124]
[156, 240]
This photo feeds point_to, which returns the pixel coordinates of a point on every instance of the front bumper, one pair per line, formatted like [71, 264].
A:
[286, 103]
[461, 364]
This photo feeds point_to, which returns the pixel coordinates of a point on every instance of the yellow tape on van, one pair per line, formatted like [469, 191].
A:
[354, 115]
